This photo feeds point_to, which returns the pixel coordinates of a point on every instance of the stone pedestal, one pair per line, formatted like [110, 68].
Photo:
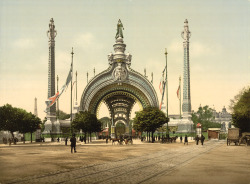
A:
[184, 125]
[56, 127]
[48, 129]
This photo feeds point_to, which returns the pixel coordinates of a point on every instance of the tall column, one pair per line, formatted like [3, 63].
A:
[51, 125]
[51, 66]
[186, 104]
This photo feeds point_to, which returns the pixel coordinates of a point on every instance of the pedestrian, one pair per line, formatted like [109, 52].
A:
[181, 139]
[9, 141]
[66, 141]
[58, 139]
[197, 139]
[186, 140]
[73, 143]
[107, 139]
[202, 139]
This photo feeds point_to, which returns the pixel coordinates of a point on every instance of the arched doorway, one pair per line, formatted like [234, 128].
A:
[119, 87]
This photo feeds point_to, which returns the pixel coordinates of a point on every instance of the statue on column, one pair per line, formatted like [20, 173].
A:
[119, 29]
[186, 34]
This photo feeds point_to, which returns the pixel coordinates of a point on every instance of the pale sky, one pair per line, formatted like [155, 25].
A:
[219, 46]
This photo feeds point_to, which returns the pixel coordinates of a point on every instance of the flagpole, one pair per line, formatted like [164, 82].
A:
[76, 86]
[58, 98]
[180, 95]
[72, 53]
[166, 54]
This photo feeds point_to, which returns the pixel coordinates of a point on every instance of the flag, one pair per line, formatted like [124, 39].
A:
[53, 99]
[162, 81]
[178, 92]
[162, 94]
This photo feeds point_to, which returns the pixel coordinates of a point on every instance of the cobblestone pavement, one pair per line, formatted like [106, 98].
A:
[143, 169]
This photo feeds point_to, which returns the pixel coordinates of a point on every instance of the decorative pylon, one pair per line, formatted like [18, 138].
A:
[186, 104]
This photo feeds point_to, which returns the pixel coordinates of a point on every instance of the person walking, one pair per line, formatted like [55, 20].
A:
[202, 139]
[181, 139]
[197, 139]
[66, 141]
[73, 143]
[186, 140]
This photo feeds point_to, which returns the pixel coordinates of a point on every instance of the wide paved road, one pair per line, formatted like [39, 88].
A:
[144, 169]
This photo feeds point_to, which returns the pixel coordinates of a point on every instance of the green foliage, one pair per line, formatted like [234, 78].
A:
[105, 122]
[8, 118]
[62, 115]
[205, 117]
[149, 119]
[15, 119]
[87, 122]
[240, 106]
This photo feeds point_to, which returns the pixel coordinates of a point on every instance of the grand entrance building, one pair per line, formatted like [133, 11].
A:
[119, 87]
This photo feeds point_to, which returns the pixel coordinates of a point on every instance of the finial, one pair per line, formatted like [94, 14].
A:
[152, 75]
[87, 77]
[94, 71]
[72, 52]
[166, 51]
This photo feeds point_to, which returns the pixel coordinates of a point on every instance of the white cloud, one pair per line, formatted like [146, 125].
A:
[198, 49]
[87, 41]
[175, 47]
[24, 43]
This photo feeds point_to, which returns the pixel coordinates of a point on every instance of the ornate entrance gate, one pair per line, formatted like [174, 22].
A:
[119, 87]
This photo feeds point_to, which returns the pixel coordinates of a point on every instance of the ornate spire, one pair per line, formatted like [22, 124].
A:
[119, 47]
[186, 34]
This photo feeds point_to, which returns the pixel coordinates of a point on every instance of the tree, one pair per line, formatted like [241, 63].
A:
[9, 119]
[105, 122]
[205, 116]
[87, 122]
[16, 119]
[149, 119]
[29, 124]
[62, 115]
[240, 107]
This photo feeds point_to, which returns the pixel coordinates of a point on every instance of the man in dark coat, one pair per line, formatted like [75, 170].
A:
[73, 143]
[66, 141]
[186, 140]
[202, 139]
[197, 139]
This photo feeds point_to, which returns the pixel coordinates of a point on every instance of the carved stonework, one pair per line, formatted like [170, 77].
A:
[120, 73]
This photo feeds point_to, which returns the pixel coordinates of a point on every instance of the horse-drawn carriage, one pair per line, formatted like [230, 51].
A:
[127, 140]
[235, 136]
[169, 139]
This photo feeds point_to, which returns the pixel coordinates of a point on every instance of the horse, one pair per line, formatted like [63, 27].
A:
[128, 140]
[114, 140]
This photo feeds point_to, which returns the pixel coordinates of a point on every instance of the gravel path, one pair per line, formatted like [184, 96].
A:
[143, 169]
